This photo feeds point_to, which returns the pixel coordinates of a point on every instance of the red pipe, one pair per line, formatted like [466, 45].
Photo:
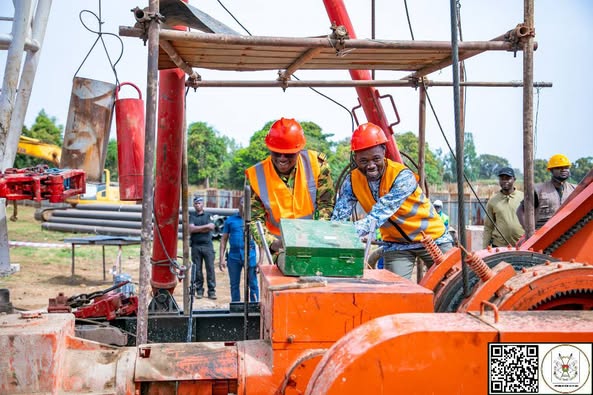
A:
[167, 186]
[368, 96]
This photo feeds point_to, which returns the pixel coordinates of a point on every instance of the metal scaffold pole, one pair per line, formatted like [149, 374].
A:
[528, 170]
[459, 138]
[147, 195]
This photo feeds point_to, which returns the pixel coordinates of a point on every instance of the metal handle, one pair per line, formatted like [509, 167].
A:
[260, 231]
[370, 237]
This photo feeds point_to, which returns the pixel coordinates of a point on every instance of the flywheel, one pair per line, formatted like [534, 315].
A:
[551, 286]
[449, 294]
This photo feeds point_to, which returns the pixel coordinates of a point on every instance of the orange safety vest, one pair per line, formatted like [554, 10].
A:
[275, 195]
[414, 216]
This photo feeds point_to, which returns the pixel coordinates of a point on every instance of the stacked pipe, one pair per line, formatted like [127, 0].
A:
[113, 220]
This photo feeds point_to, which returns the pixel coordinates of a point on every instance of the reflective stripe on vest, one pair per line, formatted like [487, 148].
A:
[279, 202]
[414, 216]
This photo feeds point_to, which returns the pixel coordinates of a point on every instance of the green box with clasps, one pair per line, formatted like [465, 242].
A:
[321, 248]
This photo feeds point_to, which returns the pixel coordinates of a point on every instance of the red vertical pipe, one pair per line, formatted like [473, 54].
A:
[169, 150]
[369, 96]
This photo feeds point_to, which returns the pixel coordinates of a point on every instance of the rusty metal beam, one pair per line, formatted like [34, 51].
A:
[147, 192]
[528, 170]
[422, 137]
[179, 62]
[314, 42]
[345, 84]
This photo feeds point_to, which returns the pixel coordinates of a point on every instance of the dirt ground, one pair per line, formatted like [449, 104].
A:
[45, 268]
[34, 284]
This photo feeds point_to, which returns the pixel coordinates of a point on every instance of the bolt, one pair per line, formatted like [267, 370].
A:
[144, 352]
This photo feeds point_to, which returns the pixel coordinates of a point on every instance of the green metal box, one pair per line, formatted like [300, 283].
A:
[321, 248]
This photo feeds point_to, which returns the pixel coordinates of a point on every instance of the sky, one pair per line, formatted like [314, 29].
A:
[564, 57]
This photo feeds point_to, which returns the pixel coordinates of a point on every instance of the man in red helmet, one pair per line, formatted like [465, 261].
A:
[290, 183]
[390, 195]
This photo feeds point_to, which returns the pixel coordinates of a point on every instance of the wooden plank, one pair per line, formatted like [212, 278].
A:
[253, 58]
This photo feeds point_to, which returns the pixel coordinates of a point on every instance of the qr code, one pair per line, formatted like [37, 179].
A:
[514, 368]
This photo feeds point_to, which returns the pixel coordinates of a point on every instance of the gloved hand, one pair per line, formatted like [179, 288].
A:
[276, 246]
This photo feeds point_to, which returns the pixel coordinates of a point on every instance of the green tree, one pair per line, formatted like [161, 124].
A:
[111, 162]
[490, 165]
[257, 150]
[580, 168]
[408, 145]
[44, 129]
[248, 156]
[316, 140]
[207, 152]
[470, 162]
[540, 170]
[339, 159]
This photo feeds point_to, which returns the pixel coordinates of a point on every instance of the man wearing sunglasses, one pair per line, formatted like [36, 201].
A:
[291, 182]
[390, 195]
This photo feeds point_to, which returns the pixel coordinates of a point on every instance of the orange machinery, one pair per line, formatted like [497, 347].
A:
[551, 270]
[376, 335]
[340, 336]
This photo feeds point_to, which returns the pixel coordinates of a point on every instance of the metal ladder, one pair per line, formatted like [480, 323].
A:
[29, 23]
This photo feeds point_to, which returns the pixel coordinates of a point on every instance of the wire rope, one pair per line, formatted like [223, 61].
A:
[99, 32]
[311, 88]
[463, 115]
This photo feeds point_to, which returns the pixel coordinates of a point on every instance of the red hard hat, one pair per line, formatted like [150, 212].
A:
[367, 135]
[286, 137]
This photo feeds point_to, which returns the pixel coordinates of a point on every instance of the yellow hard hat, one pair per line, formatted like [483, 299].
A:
[558, 160]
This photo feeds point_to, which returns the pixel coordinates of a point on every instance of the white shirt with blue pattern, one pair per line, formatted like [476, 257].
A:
[404, 185]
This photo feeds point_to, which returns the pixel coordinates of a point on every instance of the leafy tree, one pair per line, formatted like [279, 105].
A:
[257, 150]
[247, 157]
[408, 144]
[580, 168]
[111, 162]
[340, 159]
[207, 153]
[316, 140]
[540, 170]
[470, 162]
[45, 130]
[490, 165]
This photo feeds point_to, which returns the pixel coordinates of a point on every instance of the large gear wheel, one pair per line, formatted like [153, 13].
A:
[449, 294]
[551, 286]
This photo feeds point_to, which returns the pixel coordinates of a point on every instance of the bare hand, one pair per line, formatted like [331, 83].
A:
[222, 265]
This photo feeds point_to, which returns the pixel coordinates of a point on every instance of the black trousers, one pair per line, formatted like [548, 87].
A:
[203, 256]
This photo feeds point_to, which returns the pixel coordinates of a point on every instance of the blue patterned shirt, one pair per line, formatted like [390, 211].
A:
[404, 185]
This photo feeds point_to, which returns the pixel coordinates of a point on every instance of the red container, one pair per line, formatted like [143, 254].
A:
[129, 120]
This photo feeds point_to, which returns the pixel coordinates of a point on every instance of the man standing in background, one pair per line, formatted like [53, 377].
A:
[550, 195]
[202, 250]
[438, 206]
[233, 233]
[501, 226]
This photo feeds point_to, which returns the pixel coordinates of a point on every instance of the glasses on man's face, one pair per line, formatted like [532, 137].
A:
[280, 155]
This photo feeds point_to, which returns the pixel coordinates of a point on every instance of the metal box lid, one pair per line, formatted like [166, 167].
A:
[320, 248]
[314, 235]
